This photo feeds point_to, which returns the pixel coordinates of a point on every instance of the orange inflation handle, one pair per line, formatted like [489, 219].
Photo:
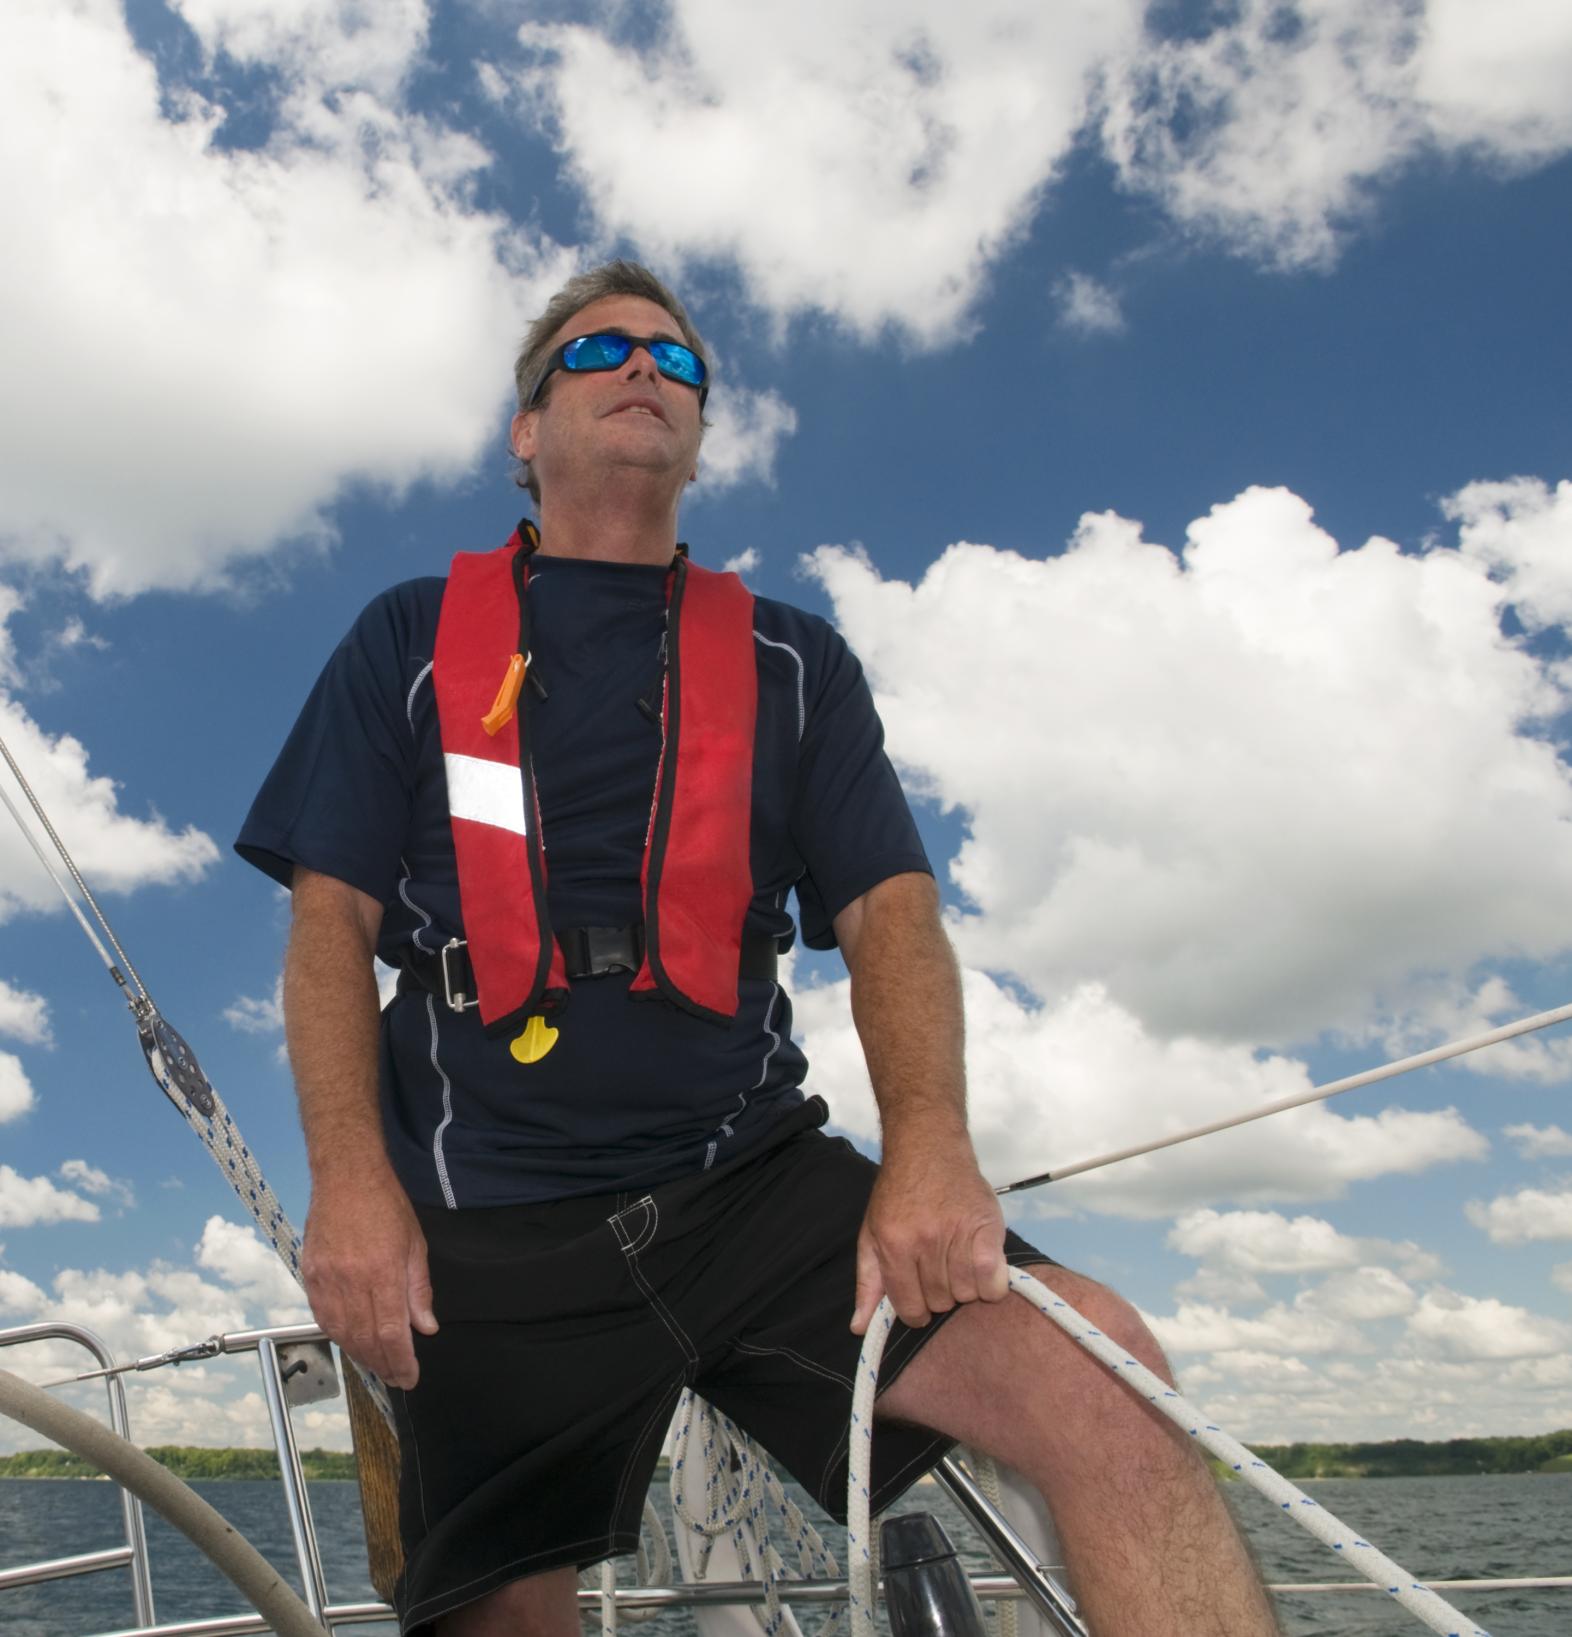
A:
[503, 706]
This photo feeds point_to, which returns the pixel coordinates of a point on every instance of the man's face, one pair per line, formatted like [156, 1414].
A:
[631, 416]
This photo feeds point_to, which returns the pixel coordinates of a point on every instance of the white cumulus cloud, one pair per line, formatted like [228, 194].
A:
[1483, 1327]
[1257, 789]
[1361, 1295]
[1266, 1242]
[114, 850]
[24, 1016]
[1087, 306]
[1273, 129]
[258, 1014]
[1194, 1328]
[91, 1180]
[1529, 1214]
[867, 163]
[236, 335]
[1539, 1142]
[239, 1256]
[16, 1090]
[28, 1201]
[746, 430]
[1052, 1085]
[20, 1298]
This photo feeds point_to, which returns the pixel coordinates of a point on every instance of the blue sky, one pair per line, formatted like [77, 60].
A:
[1168, 402]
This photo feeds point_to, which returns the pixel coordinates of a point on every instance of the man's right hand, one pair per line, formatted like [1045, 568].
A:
[364, 1265]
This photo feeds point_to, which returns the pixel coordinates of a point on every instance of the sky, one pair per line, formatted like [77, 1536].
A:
[1167, 401]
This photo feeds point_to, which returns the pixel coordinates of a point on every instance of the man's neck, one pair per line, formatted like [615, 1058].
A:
[611, 533]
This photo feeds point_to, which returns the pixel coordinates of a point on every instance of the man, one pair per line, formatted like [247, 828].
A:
[539, 1217]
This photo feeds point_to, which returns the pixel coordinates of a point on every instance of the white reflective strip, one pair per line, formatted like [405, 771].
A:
[487, 792]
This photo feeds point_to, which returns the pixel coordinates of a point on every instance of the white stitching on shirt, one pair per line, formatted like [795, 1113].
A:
[447, 1111]
[409, 698]
[775, 1043]
[769, 642]
[403, 893]
[764, 1069]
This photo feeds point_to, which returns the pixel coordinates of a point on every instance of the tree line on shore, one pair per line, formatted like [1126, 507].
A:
[1400, 1458]
[1413, 1458]
[186, 1461]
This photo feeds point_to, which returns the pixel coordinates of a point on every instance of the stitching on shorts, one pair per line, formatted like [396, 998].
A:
[420, 1477]
[797, 1359]
[494, 1575]
[662, 1312]
[921, 1458]
[662, 1407]
[841, 1445]
[646, 1232]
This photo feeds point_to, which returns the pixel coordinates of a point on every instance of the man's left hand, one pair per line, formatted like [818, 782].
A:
[932, 1237]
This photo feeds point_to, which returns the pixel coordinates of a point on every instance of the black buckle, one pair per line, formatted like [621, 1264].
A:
[595, 951]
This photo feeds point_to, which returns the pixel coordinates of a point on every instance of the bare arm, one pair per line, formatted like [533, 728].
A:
[933, 1234]
[365, 1257]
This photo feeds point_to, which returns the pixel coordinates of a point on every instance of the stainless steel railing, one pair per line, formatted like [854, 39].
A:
[134, 1552]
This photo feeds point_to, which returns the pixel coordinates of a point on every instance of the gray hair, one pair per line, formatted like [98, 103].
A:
[613, 278]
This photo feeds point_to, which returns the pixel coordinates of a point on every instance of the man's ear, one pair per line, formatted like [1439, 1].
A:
[522, 434]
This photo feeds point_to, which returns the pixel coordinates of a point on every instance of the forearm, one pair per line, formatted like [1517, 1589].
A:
[906, 1004]
[933, 1234]
[364, 1261]
[331, 1020]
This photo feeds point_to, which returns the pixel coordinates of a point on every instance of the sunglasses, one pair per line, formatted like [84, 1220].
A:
[607, 349]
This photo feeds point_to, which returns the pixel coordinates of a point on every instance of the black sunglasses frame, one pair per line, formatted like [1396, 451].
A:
[558, 360]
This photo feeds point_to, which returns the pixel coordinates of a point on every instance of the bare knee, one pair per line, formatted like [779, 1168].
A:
[1106, 1310]
[539, 1605]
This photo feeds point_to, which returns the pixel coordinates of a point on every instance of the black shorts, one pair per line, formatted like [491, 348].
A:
[568, 1331]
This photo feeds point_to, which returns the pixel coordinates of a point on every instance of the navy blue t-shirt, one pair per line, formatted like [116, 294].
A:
[633, 1092]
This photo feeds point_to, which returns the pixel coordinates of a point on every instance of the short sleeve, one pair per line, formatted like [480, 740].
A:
[338, 799]
[850, 821]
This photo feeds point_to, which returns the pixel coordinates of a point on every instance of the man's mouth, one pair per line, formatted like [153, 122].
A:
[640, 406]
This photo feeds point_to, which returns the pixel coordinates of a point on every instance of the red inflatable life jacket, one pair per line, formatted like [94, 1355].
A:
[696, 881]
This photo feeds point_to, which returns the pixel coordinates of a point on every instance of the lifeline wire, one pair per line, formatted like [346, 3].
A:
[1316, 1094]
[1420, 1601]
[76, 875]
[49, 870]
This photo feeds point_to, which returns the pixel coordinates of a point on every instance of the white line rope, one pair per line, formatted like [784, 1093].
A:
[1420, 1600]
[1316, 1094]
[741, 1494]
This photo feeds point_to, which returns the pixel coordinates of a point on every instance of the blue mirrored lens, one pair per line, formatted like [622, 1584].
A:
[594, 352]
[610, 351]
[677, 363]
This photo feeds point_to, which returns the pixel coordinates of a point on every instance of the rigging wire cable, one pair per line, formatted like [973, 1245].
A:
[1316, 1094]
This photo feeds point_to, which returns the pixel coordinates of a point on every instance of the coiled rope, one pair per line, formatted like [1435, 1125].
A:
[741, 1495]
[1420, 1601]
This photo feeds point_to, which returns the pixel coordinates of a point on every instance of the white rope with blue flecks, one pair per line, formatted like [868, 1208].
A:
[651, 1567]
[1424, 1604]
[740, 1500]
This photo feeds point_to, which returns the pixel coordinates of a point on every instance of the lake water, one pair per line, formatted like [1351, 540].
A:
[1442, 1528]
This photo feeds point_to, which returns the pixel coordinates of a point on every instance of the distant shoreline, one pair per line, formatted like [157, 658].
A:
[1414, 1458]
[1398, 1458]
